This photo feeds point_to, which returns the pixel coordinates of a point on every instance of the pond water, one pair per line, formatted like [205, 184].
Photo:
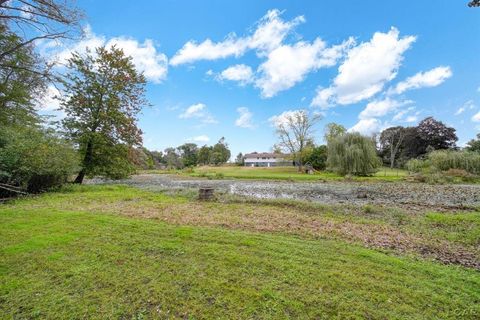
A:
[322, 192]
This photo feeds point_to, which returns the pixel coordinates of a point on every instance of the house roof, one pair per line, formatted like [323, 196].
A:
[264, 154]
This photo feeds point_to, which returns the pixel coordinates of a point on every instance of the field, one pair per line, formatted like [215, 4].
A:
[282, 173]
[122, 252]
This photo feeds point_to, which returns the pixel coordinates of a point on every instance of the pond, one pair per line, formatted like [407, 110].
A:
[385, 193]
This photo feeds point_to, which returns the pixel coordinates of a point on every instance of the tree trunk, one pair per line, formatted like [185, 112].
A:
[87, 160]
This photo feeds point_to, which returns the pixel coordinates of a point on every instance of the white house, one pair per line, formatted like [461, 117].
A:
[265, 159]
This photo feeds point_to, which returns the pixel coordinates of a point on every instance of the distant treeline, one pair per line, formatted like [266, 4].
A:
[186, 155]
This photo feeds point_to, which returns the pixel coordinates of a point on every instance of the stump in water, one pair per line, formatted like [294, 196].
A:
[205, 193]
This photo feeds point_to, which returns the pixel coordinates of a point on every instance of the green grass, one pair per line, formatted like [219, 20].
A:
[60, 262]
[280, 173]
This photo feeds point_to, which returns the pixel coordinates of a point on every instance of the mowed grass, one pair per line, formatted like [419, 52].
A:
[60, 262]
[281, 173]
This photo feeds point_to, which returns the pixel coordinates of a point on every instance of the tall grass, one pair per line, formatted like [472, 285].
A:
[442, 164]
[444, 160]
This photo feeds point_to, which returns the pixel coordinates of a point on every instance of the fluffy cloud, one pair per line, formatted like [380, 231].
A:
[366, 69]
[201, 138]
[380, 108]
[431, 78]
[239, 72]
[245, 118]
[367, 126]
[271, 30]
[198, 111]
[289, 64]
[281, 119]
[145, 56]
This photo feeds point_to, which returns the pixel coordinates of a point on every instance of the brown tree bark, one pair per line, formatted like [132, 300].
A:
[87, 160]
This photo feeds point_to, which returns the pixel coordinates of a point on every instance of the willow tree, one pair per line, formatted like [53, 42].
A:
[102, 97]
[352, 153]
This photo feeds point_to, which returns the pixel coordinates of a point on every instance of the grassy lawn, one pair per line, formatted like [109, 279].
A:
[281, 173]
[120, 252]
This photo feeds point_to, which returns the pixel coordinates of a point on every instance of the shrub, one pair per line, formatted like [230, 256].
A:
[352, 153]
[445, 160]
[417, 165]
[317, 157]
[35, 159]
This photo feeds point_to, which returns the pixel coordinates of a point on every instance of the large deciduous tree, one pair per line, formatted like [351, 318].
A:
[189, 154]
[436, 134]
[295, 131]
[102, 97]
[220, 152]
[204, 155]
[391, 140]
[333, 130]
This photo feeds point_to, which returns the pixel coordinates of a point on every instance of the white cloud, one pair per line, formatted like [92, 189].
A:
[201, 138]
[282, 118]
[270, 31]
[469, 105]
[245, 118]
[289, 64]
[48, 102]
[199, 111]
[400, 115]
[367, 126]
[366, 69]
[145, 56]
[379, 108]
[431, 78]
[195, 110]
[411, 119]
[208, 50]
[153, 64]
[460, 111]
[476, 117]
[239, 72]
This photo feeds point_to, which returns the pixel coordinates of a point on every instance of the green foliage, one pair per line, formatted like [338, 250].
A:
[102, 97]
[21, 81]
[317, 157]
[220, 152]
[444, 160]
[352, 153]
[333, 130]
[188, 154]
[417, 165]
[204, 155]
[240, 160]
[474, 144]
[35, 159]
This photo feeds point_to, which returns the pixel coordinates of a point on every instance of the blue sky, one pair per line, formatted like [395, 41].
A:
[231, 68]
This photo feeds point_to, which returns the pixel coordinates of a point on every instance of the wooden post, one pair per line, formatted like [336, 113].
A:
[205, 193]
